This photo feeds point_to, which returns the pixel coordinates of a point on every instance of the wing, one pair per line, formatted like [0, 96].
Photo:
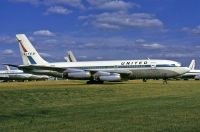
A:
[41, 67]
[76, 73]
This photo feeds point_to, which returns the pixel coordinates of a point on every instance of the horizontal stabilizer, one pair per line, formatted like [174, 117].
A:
[41, 67]
[10, 65]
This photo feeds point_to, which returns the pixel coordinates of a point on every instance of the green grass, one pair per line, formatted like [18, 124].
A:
[122, 107]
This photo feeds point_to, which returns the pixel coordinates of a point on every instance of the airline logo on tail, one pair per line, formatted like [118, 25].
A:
[28, 54]
[24, 49]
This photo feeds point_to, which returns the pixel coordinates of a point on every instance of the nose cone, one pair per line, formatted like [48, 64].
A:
[183, 70]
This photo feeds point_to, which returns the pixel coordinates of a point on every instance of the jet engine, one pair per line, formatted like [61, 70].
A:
[107, 76]
[44, 72]
[102, 73]
[197, 77]
[111, 78]
[78, 75]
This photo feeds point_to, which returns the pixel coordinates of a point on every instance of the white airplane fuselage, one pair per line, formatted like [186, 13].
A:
[195, 74]
[19, 75]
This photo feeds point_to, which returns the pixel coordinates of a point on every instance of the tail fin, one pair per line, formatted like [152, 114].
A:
[8, 67]
[28, 52]
[192, 65]
[70, 57]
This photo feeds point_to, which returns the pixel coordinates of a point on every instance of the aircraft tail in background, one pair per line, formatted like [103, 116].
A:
[192, 65]
[70, 57]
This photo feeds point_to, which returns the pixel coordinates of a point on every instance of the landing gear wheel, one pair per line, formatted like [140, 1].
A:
[144, 80]
[94, 82]
[165, 81]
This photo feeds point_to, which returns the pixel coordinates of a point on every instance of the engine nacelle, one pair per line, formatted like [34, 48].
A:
[72, 70]
[111, 78]
[45, 72]
[79, 75]
[102, 73]
[197, 77]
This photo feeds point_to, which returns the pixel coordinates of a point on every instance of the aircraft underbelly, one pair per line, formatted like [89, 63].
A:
[152, 73]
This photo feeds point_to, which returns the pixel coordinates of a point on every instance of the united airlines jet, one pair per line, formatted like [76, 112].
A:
[97, 71]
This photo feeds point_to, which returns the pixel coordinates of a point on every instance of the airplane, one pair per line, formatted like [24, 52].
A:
[96, 72]
[70, 57]
[194, 74]
[9, 75]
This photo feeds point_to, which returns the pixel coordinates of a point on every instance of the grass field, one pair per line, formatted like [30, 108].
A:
[122, 107]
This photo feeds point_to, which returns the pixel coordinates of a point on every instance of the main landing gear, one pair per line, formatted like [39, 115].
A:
[164, 80]
[144, 80]
[94, 82]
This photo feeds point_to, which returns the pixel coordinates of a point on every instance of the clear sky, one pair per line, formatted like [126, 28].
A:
[102, 29]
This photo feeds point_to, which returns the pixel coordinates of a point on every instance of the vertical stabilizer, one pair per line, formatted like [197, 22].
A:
[192, 65]
[8, 67]
[70, 57]
[29, 54]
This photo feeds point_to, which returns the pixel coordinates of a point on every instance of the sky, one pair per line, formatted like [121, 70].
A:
[102, 29]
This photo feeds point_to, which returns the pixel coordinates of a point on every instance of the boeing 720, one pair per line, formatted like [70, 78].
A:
[97, 71]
